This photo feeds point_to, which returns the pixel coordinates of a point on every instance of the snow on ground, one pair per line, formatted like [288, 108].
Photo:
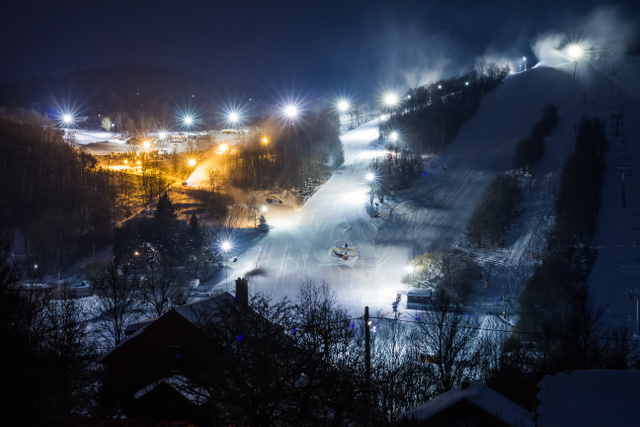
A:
[434, 212]
[102, 143]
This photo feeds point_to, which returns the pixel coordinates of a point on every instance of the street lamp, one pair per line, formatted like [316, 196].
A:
[524, 60]
[192, 162]
[265, 140]
[233, 118]
[575, 51]
[370, 177]
[226, 247]
[67, 119]
[393, 137]
[146, 145]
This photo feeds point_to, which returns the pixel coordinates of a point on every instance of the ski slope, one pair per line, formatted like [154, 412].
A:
[433, 214]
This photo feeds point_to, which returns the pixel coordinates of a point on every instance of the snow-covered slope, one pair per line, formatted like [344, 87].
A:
[433, 213]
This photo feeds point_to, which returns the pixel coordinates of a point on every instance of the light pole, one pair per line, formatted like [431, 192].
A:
[146, 145]
[226, 247]
[370, 177]
[575, 51]
[291, 112]
[524, 60]
[233, 118]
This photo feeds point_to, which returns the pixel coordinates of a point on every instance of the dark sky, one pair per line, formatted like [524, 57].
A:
[331, 47]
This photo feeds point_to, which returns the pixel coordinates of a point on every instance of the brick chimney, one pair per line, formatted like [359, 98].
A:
[242, 291]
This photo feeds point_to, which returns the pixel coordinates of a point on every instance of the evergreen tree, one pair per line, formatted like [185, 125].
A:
[166, 227]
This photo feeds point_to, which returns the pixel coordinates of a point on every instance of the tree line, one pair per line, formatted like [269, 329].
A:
[430, 116]
[556, 298]
[295, 152]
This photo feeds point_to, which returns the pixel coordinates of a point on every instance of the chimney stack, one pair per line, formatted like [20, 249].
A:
[242, 291]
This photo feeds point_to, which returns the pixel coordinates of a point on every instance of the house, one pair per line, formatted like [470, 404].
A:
[472, 404]
[593, 398]
[146, 370]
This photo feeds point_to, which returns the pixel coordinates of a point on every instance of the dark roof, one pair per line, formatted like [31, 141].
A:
[194, 312]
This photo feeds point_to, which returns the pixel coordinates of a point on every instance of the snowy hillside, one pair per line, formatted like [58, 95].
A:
[434, 212]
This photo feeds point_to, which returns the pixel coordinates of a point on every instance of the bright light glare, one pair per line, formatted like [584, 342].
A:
[409, 268]
[222, 148]
[291, 111]
[265, 140]
[233, 117]
[67, 118]
[226, 246]
[146, 145]
[575, 51]
[162, 135]
[188, 120]
[391, 99]
[192, 162]
[370, 176]
[343, 105]
[393, 137]
[263, 209]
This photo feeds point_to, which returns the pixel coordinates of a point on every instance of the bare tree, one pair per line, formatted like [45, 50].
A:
[162, 288]
[115, 287]
[445, 339]
[322, 323]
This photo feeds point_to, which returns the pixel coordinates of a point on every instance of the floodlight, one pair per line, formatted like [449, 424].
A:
[192, 162]
[343, 105]
[390, 99]
[291, 111]
[370, 176]
[575, 51]
[67, 118]
[393, 136]
[233, 117]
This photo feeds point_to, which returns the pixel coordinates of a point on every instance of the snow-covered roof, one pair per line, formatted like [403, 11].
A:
[480, 395]
[182, 385]
[194, 312]
[198, 310]
[590, 398]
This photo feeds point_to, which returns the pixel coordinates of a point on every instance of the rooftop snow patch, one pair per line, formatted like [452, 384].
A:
[480, 395]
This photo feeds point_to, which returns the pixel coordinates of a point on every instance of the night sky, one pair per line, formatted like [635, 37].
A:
[326, 47]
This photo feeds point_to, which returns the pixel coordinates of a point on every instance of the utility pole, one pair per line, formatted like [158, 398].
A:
[624, 170]
[635, 293]
[367, 359]
[367, 344]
